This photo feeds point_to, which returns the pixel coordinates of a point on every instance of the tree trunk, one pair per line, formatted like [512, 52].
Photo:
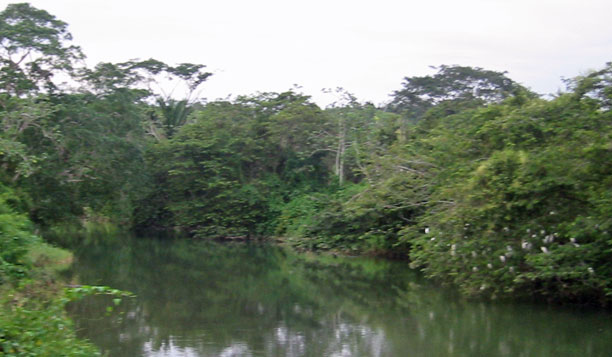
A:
[340, 151]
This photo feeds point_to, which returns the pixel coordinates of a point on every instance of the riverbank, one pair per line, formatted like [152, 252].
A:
[33, 321]
[530, 293]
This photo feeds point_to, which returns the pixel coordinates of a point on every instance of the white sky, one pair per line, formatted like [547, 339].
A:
[367, 47]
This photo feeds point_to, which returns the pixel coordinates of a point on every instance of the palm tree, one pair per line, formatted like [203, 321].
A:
[174, 114]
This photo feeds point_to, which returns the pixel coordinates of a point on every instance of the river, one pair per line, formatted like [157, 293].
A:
[197, 298]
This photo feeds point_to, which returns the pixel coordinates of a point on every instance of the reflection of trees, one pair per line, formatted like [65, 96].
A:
[247, 299]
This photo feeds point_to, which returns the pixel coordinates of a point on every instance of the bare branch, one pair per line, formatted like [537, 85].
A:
[404, 168]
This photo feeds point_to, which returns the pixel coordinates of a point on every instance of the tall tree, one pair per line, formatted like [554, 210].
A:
[34, 46]
[462, 85]
[141, 80]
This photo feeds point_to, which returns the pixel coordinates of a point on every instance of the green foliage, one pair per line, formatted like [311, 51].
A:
[173, 115]
[455, 85]
[78, 292]
[36, 328]
[34, 48]
[226, 173]
[32, 319]
[202, 173]
[34, 324]
[25, 121]
[513, 190]
[523, 201]
[338, 219]
[509, 199]
[15, 238]
[109, 78]
[92, 151]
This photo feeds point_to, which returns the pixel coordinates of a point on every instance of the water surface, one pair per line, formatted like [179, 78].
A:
[199, 298]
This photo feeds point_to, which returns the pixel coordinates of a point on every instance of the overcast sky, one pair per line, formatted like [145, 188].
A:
[367, 47]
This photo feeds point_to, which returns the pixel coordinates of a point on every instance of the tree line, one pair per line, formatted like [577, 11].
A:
[475, 179]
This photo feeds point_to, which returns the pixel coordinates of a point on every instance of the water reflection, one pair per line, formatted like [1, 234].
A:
[209, 299]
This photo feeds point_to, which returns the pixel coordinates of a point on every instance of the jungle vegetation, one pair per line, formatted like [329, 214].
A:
[476, 180]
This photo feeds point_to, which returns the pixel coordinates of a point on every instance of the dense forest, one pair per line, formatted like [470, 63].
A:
[473, 178]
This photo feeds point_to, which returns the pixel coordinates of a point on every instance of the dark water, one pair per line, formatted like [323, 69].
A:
[211, 299]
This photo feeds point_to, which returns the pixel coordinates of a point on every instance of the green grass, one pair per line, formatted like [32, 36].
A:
[46, 257]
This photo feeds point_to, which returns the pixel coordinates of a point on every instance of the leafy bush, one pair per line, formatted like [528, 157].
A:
[528, 202]
[33, 327]
[15, 237]
[33, 321]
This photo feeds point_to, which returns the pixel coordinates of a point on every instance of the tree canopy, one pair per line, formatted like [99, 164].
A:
[460, 85]
[34, 47]
[476, 180]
